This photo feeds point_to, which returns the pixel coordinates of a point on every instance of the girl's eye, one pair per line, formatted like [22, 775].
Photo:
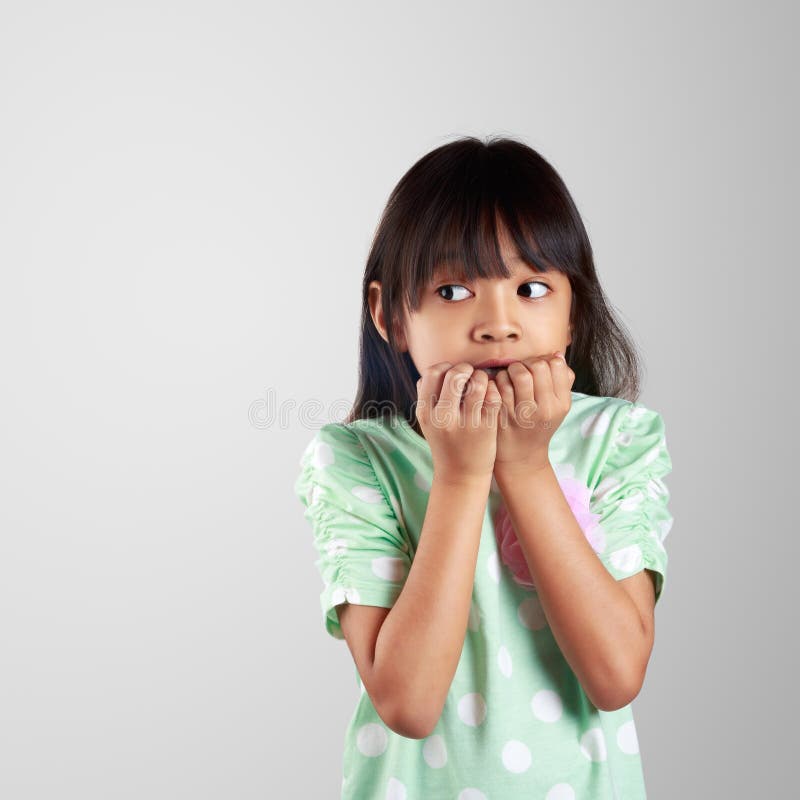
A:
[450, 286]
[544, 287]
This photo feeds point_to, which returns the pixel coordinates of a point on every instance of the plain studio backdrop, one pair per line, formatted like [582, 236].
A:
[187, 196]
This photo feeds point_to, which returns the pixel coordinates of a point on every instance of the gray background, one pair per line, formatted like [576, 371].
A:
[187, 195]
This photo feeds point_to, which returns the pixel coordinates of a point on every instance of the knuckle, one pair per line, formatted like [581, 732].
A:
[438, 369]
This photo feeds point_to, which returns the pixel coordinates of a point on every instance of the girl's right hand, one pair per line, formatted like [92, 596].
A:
[461, 431]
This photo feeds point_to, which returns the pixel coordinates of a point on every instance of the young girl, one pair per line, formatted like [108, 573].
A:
[490, 518]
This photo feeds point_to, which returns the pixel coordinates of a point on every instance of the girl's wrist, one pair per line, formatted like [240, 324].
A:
[459, 480]
[516, 470]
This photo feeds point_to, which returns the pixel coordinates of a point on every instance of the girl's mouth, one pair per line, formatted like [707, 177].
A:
[492, 371]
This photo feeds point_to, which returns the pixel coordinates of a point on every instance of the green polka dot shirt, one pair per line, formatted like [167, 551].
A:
[516, 722]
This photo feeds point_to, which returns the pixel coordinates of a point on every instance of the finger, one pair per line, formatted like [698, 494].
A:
[473, 396]
[525, 402]
[453, 386]
[492, 402]
[522, 379]
[430, 384]
[542, 381]
[563, 378]
[492, 396]
[506, 390]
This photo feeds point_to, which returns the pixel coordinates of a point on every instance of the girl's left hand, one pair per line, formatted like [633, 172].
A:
[536, 397]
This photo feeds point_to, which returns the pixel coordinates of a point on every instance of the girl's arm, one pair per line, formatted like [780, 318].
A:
[601, 632]
[420, 642]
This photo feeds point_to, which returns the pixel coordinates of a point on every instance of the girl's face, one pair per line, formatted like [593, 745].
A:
[524, 316]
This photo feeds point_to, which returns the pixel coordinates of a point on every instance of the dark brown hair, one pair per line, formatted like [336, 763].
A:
[447, 208]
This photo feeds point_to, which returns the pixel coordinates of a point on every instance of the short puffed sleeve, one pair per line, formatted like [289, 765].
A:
[363, 555]
[631, 497]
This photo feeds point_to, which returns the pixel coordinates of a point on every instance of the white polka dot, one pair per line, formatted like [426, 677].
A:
[547, 706]
[398, 512]
[504, 661]
[474, 619]
[314, 495]
[656, 488]
[624, 439]
[395, 790]
[631, 502]
[323, 455]
[516, 756]
[561, 791]
[596, 537]
[371, 739]
[628, 559]
[595, 424]
[652, 454]
[564, 471]
[471, 794]
[421, 482]
[593, 745]
[388, 568]
[531, 614]
[493, 567]
[627, 741]
[664, 528]
[434, 751]
[367, 494]
[345, 594]
[606, 486]
[472, 709]
[336, 547]
[637, 412]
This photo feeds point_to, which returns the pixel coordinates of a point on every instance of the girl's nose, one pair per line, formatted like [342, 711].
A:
[496, 323]
[497, 332]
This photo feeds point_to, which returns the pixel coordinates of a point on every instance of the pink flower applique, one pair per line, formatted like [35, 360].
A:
[577, 496]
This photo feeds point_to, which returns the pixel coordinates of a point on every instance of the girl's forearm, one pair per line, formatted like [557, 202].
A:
[593, 619]
[420, 642]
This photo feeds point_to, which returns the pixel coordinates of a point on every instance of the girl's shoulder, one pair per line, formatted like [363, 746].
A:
[355, 435]
[336, 461]
[360, 443]
[602, 412]
[603, 433]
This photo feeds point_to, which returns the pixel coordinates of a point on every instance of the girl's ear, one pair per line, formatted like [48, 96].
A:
[376, 311]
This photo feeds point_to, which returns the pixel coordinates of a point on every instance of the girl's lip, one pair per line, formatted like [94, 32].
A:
[496, 362]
